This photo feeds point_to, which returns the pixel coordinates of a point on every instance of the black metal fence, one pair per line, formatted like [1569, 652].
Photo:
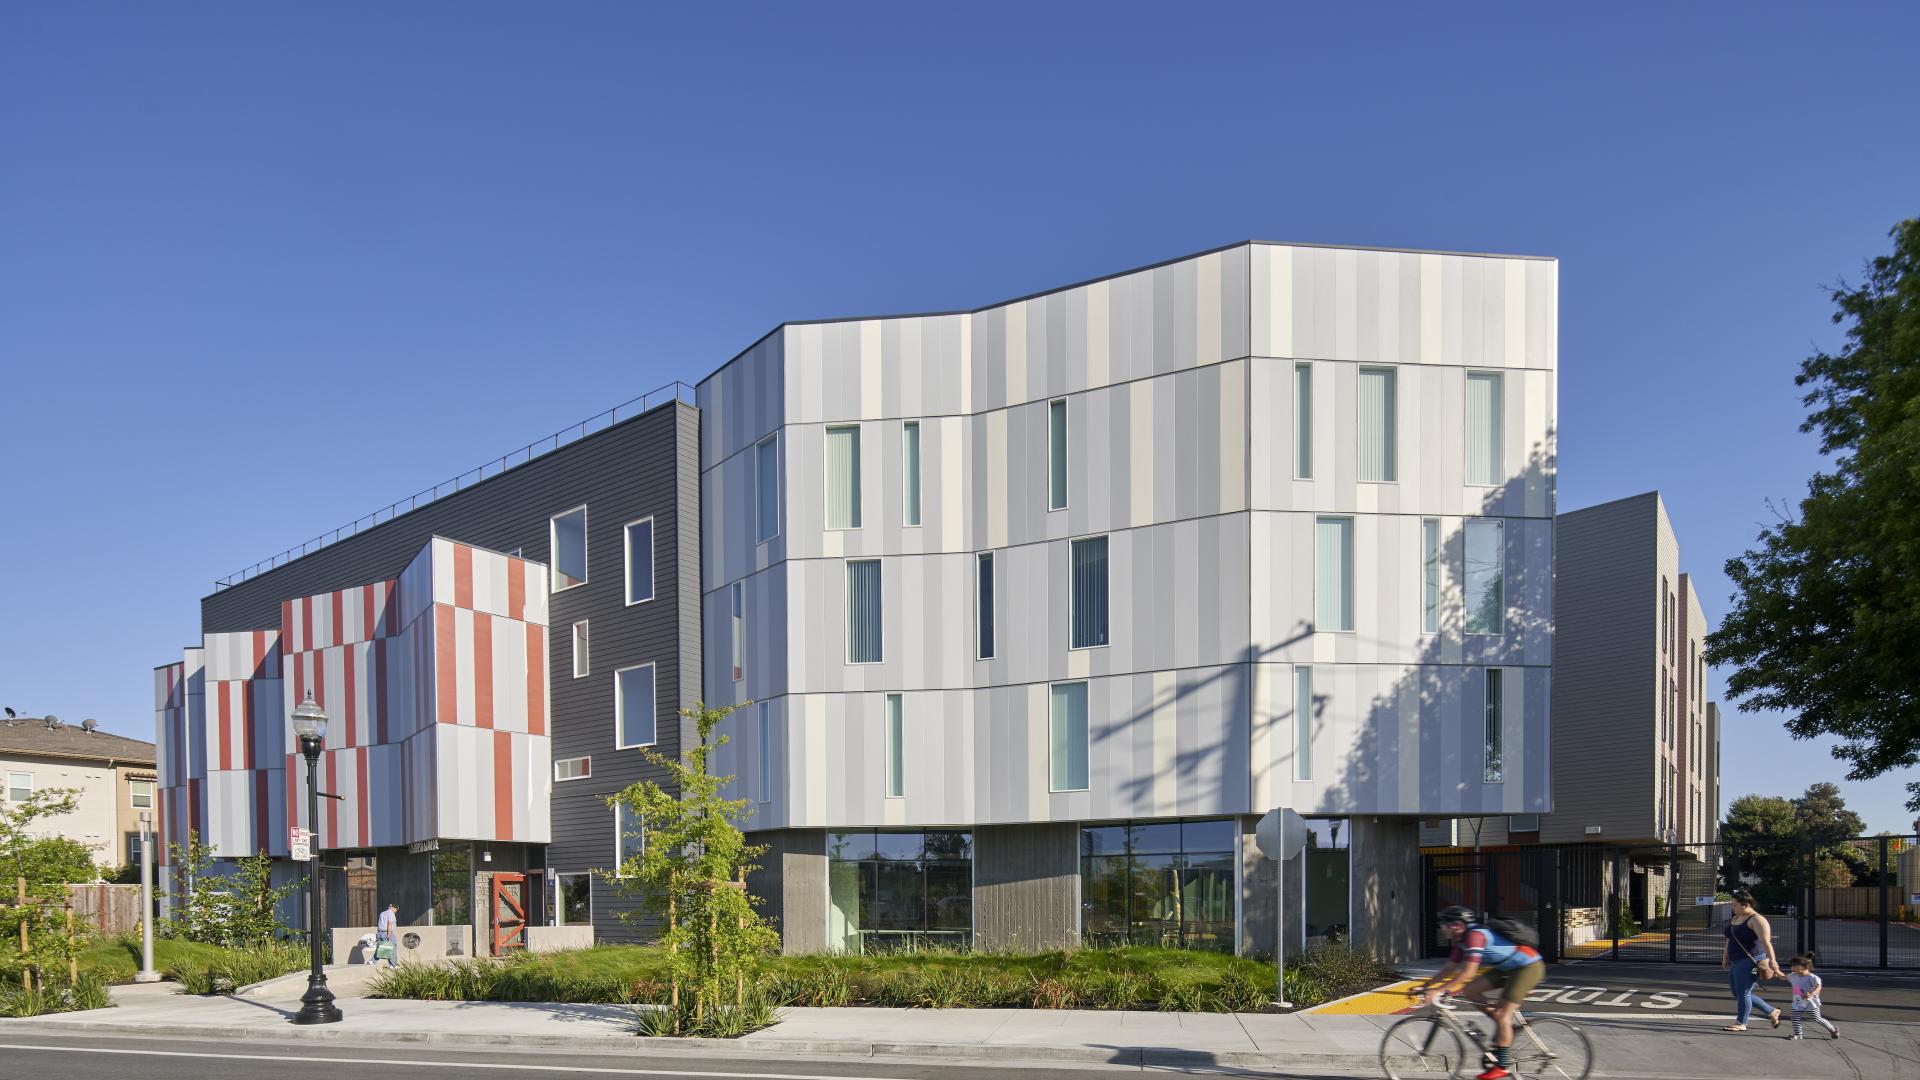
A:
[1845, 900]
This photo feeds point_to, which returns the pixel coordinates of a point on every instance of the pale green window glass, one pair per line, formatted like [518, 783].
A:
[1303, 723]
[896, 764]
[1333, 573]
[1483, 427]
[1486, 576]
[1378, 423]
[1303, 421]
[910, 469]
[843, 478]
[1057, 454]
[1430, 575]
[1067, 731]
[1496, 692]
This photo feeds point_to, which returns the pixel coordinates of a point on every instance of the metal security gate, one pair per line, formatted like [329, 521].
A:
[1853, 902]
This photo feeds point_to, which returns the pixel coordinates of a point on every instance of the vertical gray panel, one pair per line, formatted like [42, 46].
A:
[1026, 881]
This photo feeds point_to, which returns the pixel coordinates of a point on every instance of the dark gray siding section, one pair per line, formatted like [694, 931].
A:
[1026, 886]
[792, 887]
[1606, 633]
[644, 467]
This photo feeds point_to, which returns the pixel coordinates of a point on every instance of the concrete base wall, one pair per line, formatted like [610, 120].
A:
[1026, 887]
[543, 939]
[1386, 886]
[792, 885]
[432, 944]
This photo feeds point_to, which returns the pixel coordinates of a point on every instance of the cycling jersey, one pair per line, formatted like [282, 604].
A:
[1492, 950]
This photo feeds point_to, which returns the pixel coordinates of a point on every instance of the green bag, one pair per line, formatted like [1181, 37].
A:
[383, 951]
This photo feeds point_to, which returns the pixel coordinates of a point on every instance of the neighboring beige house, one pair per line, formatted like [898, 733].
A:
[113, 776]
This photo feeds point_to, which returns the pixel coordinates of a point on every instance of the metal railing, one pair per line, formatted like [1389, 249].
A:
[673, 391]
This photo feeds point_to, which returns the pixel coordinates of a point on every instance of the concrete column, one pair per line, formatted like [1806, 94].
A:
[1026, 887]
[1257, 898]
[792, 880]
[1386, 886]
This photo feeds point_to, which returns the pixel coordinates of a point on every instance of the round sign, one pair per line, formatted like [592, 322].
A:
[411, 940]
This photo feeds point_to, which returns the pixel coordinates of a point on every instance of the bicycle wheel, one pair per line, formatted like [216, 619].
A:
[1423, 1047]
[1552, 1048]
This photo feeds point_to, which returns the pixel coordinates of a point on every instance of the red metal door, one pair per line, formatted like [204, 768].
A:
[509, 913]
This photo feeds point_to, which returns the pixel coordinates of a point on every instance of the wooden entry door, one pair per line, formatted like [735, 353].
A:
[509, 909]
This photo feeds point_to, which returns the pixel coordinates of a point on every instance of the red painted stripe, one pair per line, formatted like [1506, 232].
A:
[246, 726]
[502, 786]
[367, 624]
[536, 679]
[393, 607]
[363, 774]
[516, 589]
[378, 658]
[262, 839]
[351, 706]
[286, 624]
[319, 684]
[482, 669]
[446, 708]
[339, 617]
[299, 677]
[220, 722]
[462, 576]
[333, 805]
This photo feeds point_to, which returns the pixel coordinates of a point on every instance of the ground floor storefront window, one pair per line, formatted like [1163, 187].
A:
[1168, 883]
[899, 890]
[1329, 870]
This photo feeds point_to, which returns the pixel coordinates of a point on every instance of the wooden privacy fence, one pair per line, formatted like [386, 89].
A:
[108, 909]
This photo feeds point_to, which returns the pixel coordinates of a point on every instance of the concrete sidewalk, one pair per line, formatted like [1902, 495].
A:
[1657, 1047]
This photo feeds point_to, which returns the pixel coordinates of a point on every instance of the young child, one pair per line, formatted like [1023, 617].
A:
[1806, 995]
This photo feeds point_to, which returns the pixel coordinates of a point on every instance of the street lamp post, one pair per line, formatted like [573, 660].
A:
[316, 1005]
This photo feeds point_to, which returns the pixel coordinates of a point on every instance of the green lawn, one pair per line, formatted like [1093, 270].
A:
[115, 959]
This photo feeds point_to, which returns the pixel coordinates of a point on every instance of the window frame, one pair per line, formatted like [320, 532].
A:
[133, 786]
[737, 629]
[1466, 544]
[1493, 694]
[1349, 599]
[986, 593]
[619, 838]
[1303, 420]
[626, 566]
[586, 772]
[856, 502]
[1087, 735]
[582, 658]
[1391, 454]
[1496, 439]
[560, 897]
[760, 533]
[1513, 828]
[893, 710]
[1066, 454]
[1433, 561]
[847, 579]
[10, 786]
[1071, 542]
[910, 476]
[553, 549]
[1303, 723]
[620, 707]
[135, 841]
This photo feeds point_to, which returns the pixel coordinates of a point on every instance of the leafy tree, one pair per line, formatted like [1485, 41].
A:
[48, 864]
[237, 908]
[690, 871]
[1823, 817]
[1826, 608]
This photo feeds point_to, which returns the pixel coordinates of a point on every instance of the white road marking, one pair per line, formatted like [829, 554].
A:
[418, 1062]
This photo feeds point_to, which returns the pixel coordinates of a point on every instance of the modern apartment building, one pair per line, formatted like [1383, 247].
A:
[1040, 605]
[111, 776]
[493, 654]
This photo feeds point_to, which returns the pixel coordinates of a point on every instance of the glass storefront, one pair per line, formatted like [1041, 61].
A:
[452, 885]
[899, 890]
[1165, 883]
[1329, 870]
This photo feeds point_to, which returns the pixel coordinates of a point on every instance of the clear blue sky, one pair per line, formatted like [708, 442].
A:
[264, 267]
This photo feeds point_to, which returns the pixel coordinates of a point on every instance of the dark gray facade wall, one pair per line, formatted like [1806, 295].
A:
[647, 466]
[1606, 623]
[1026, 886]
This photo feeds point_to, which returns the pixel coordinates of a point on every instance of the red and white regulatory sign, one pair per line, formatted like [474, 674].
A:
[299, 844]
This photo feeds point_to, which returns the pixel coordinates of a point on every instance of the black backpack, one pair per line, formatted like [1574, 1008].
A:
[1514, 930]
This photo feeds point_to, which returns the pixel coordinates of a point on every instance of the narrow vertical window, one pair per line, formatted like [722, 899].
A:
[737, 628]
[863, 611]
[1664, 616]
[766, 483]
[1333, 573]
[896, 766]
[1089, 597]
[1303, 723]
[1379, 422]
[1484, 404]
[910, 472]
[567, 540]
[582, 665]
[985, 606]
[1430, 575]
[766, 755]
[640, 561]
[1495, 692]
[843, 478]
[1067, 737]
[1486, 576]
[633, 706]
[629, 837]
[1057, 454]
[1303, 421]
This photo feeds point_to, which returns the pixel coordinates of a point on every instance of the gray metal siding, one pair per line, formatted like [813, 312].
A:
[1026, 887]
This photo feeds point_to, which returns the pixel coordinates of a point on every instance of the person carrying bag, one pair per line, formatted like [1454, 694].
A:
[1750, 934]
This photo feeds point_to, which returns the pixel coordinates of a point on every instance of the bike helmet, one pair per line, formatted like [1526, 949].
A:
[1455, 914]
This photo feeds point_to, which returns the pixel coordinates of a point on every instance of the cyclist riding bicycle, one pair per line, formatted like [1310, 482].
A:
[1485, 960]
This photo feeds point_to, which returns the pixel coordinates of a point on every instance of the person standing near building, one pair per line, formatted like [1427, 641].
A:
[384, 941]
[1748, 958]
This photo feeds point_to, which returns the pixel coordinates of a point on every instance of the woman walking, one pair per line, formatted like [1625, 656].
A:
[1748, 958]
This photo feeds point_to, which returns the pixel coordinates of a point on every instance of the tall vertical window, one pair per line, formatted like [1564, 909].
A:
[140, 794]
[1089, 557]
[1484, 404]
[910, 472]
[1303, 421]
[1379, 422]
[1067, 737]
[133, 849]
[765, 787]
[737, 628]
[984, 608]
[1486, 576]
[843, 477]
[1302, 723]
[640, 561]
[1666, 615]
[582, 658]
[633, 705]
[629, 839]
[567, 538]
[1430, 575]
[573, 900]
[1057, 454]
[896, 763]
[1496, 690]
[1333, 573]
[766, 489]
[863, 611]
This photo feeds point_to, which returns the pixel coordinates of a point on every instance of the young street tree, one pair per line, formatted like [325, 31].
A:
[1826, 609]
[46, 864]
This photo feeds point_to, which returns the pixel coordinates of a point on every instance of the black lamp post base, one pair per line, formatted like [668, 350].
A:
[316, 1006]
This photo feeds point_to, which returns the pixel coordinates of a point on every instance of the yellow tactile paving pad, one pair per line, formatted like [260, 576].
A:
[1385, 1001]
[1602, 946]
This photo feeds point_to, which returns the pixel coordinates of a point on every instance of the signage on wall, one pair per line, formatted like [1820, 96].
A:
[421, 847]
[299, 842]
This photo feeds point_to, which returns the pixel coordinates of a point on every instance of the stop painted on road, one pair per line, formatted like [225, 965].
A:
[1602, 997]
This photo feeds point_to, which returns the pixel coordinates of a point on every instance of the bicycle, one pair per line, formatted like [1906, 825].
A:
[1435, 1041]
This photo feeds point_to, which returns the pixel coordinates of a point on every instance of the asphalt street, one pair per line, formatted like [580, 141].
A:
[1628, 990]
[33, 1056]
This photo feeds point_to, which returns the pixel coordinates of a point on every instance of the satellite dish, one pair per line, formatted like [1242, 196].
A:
[89, 724]
[52, 721]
